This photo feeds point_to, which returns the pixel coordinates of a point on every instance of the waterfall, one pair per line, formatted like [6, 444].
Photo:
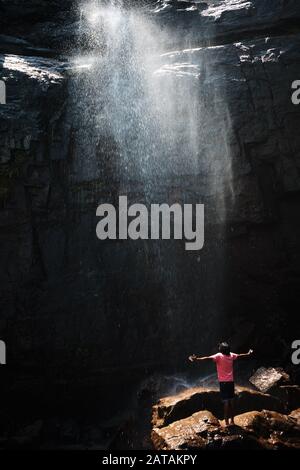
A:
[146, 107]
[151, 122]
[142, 106]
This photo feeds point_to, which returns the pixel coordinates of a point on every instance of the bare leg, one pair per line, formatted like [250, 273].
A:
[231, 411]
[226, 412]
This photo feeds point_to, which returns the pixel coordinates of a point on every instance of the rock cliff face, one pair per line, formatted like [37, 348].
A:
[82, 318]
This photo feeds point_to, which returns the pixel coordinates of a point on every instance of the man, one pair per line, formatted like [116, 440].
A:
[224, 360]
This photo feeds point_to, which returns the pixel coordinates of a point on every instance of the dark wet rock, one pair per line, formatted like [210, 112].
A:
[252, 430]
[289, 395]
[69, 432]
[295, 415]
[267, 379]
[92, 435]
[31, 9]
[186, 433]
[202, 431]
[264, 422]
[51, 429]
[247, 399]
[17, 15]
[34, 430]
[278, 430]
[28, 437]
[184, 404]
[228, 20]
[54, 24]
[15, 45]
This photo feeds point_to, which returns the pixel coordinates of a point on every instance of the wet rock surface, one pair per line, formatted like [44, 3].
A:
[273, 429]
[296, 415]
[288, 394]
[228, 20]
[52, 23]
[180, 406]
[189, 432]
[256, 429]
[266, 379]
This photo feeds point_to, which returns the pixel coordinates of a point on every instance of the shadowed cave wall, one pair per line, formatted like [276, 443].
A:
[82, 318]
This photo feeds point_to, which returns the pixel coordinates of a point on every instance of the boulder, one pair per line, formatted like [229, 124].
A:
[184, 404]
[202, 431]
[264, 422]
[295, 415]
[190, 432]
[252, 430]
[275, 429]
[289, 395]
[266, 379]
[247, 399]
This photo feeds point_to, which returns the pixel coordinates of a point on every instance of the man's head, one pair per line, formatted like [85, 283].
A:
[224, 348]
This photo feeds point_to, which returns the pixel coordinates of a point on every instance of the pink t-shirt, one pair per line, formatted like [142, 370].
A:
[224, 366]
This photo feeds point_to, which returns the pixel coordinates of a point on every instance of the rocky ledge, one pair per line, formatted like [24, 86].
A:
[252, 430]
[192, 420]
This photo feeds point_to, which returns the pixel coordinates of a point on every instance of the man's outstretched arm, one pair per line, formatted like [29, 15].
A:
[249, 353]
[194, 358]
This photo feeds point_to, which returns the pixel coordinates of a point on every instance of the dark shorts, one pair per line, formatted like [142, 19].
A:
[227, 390]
